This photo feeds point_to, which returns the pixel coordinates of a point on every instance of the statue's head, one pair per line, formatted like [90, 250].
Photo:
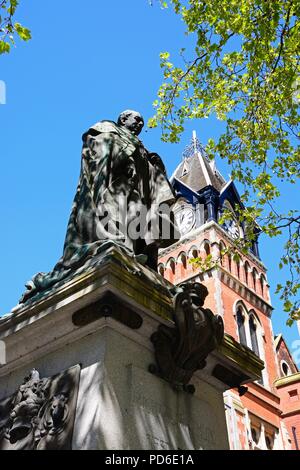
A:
[132, 120]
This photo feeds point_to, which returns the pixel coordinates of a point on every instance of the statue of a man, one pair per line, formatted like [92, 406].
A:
[123, 196]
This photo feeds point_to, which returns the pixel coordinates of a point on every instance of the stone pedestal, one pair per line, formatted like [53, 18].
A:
[101, 322]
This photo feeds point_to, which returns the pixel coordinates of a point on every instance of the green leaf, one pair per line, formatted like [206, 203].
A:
[244, 70]
[24, 33]
[4, 47]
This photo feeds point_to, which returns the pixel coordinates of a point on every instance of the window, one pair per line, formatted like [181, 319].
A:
[238, 269]
[285, 368]
[229, 263]
[293, 395]
[246, 272]
[172, 266]
[250, 334]
[241, 326]
[254, 277]
[183, 260]
[269, 442]
[261, 279]
[253, 335]
[255, 435]
[161, 269]
[207, 249]
[185, 168]
[205, 214]
[222, 248]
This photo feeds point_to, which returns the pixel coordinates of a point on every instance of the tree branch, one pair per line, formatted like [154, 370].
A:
[282, 37]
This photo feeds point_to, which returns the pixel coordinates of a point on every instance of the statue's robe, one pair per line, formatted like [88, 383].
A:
[119, 180]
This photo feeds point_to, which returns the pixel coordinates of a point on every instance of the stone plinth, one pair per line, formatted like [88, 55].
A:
[102, 321]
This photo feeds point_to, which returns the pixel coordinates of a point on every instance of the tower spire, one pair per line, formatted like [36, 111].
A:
[196, 170]
[195, 141]
[194, 147]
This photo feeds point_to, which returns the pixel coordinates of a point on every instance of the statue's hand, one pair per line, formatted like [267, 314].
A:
[30, 291]
[155, 160]
[130, 172]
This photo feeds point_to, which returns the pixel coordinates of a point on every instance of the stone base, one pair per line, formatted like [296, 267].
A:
[103, 321]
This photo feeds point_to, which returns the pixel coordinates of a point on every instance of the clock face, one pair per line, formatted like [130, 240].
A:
[232, 228]
[231, 225]
[185, 218]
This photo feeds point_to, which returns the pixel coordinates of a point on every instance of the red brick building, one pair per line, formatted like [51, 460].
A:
[267, 415]
[288, 389]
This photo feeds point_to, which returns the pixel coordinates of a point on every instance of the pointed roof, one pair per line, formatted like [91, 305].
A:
[196, 169]
[277, 339]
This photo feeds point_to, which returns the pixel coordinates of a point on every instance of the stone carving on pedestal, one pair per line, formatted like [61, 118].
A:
[40, 415]
[181, 350]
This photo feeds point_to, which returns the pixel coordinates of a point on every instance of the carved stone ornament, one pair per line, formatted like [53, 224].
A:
[181, 350]
[40, 415]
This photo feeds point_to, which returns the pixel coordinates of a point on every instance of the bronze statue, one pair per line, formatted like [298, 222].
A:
[123, 197]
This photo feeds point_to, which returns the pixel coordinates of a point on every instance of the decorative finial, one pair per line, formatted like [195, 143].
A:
[195, 141]
[194, 147]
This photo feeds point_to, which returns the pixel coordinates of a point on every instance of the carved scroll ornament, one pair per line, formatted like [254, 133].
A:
[181, 350]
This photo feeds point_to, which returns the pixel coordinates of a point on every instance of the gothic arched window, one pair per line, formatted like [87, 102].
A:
[207, 249]
[229, 263]
[238, 269]
[254, 277]
[262, 284]
[172, 266]
[241, 326]
[247, 272]
[161, 270]
[222, 248]
[183, 260]
[285, 368]
[253, 335]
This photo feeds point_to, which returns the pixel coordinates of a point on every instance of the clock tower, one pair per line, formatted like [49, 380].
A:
[203, 194]
[239, 291]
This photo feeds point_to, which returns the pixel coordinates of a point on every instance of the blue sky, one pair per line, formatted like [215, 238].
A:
[87, 61]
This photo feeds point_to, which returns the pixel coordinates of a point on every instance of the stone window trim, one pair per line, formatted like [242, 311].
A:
[193, 252]
[246, 273]
[161, 269]
[263, 436]
[182, 259]
[256, 344]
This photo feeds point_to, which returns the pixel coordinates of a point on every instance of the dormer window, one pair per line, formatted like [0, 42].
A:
[285, 368]
[185, 168]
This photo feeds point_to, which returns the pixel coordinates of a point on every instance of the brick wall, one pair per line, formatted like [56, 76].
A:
[230, 285]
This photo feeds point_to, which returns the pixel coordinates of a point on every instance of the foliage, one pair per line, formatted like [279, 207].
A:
[8, 28]
[245, 71]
